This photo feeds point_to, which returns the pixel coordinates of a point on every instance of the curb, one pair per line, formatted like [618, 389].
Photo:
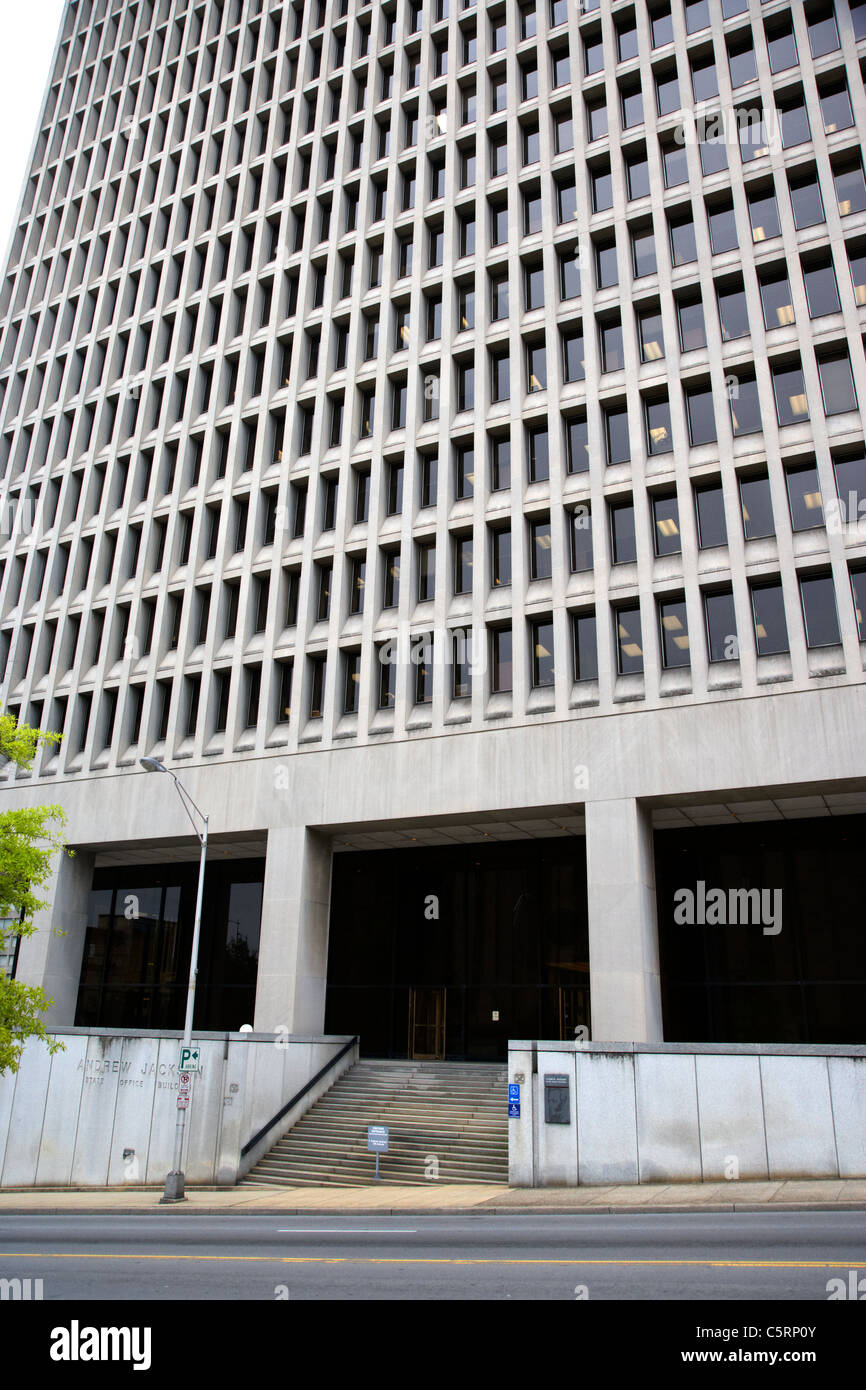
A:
[714, 1208]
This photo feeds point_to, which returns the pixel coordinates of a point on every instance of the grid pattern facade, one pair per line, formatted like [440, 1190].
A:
[377, 368]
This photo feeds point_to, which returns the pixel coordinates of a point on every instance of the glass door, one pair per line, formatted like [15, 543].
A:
[427, 1024]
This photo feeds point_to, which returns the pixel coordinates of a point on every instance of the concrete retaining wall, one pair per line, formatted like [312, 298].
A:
[66, 1120]
[670, 1112]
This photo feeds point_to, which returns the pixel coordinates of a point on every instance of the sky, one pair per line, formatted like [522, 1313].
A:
[28, 33]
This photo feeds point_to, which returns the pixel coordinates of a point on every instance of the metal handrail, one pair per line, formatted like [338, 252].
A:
[251, 1143]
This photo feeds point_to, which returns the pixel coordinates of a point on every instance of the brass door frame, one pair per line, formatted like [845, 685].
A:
[438, 1026]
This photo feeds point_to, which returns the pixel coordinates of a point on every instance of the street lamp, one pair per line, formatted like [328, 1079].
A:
[174, 1191]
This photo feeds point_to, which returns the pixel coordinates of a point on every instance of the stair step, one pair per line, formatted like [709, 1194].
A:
[452, 1111]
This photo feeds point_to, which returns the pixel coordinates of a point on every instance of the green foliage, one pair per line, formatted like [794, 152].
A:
[29, 838]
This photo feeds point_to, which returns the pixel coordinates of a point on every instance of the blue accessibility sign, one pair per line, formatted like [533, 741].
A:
[514, 1110]
[514, 1091]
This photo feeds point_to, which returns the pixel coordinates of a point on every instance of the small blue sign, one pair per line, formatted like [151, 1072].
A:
[513, 1091]
[514, 1110]
[377, 1139]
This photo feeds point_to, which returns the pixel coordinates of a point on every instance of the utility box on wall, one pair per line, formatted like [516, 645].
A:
[557, 1106]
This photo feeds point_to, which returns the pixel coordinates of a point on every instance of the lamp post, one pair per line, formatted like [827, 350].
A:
[174, 1187]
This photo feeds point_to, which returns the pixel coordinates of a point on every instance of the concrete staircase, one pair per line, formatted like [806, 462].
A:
[450, 1114]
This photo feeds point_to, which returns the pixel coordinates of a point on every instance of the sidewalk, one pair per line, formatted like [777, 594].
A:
[448, 1199]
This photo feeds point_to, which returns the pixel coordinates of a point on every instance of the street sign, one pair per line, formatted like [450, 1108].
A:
[183, 1102]
[514, 1091]
[190, 1058]
[184, 1083]
[513, 1100]
[377, 1138]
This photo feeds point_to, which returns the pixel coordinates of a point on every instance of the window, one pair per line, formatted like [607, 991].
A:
[577, 444]
[804, 498]
[637, 175]
[776, 300]
[850, 475]
[500, 373]
[433, 305]
[756, 507]
[463, 564]
[666, 525]
[596, 119]
[650, 336]
[701, 416]
[426, 571]
[682, 238]
[616, 434]
[675, 165]
[500, 464]
[398, 405]
[391, 572]
[568, 265]
[667, 93]
[541, 639]
[593, 54]
[837, 382]
[606, 271]
[661, 26]
[850, 188]
[563, 134]
[723, 228]
[705, 82]
[733, 313]
[643, 253]
[793, 120]
[721, 625]
[822, 292]
[385, 695]
[528, 81]
[501, 660]
[623, 542]
[629, 648]
[714, 156]
[498, 296]
[745, 404]
[764, 216]
[531, 143]
[580, 539]
[464, 472]
[536, 367]
[673, 629]
[789, 389]
[836, 112]
[429, 479]
[768, 616]
[501, 557]
[404, 256]
[741, 60]
[858, 593]
[357, 582]
[584, 647]
[657, 413]
[538, 453]
[602, 195]
[781, 45]
[573, 355]
[806, 202]
[498, 224]
[466, 235]
[465, 385]
[820, 619]
[610, 342]
[626, 40]
[395, 489]
[435, 247]
[498, 157]
[531, 213]
[710, 512]
[323, 599]
[823, 34]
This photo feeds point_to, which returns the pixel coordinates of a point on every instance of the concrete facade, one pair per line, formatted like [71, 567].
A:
[187, 383]
[675, 1113]
[102, 1112]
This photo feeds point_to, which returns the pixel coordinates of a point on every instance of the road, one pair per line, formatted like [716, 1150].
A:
[688, 1256]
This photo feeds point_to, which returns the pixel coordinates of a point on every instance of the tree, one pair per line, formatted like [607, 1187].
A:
[28, 840]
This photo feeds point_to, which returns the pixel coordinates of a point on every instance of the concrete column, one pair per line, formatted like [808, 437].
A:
[48, 958]
[625, 985]
[293, 949]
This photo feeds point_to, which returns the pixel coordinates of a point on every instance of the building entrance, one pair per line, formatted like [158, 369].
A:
[427, 1024]
[449, 952]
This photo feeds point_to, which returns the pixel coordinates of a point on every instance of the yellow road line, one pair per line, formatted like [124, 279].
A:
[432, 1260]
